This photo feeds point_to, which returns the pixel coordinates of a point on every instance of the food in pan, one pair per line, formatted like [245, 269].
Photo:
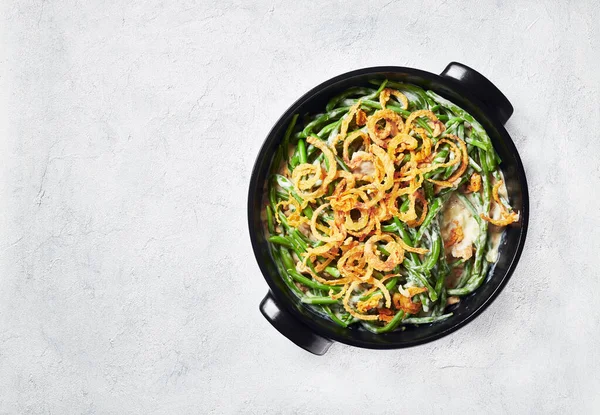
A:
[386, 208]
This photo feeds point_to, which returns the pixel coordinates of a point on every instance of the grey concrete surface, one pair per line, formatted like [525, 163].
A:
[128, 133]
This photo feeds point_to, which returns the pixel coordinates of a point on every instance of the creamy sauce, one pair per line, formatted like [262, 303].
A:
[493, 245]
[455, 213]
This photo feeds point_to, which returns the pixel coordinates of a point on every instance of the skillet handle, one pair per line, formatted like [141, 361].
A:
[291, 328]
[483, 89]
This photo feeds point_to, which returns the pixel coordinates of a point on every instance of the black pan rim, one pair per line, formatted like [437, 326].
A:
[255, 191]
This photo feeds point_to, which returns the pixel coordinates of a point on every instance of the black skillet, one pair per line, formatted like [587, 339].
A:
[468, 89]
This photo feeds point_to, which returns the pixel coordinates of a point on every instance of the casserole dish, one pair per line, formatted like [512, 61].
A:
[463, 86]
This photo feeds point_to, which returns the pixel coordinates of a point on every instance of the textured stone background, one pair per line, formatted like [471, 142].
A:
[128, 133]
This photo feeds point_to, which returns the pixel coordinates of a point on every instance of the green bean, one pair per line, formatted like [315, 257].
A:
[302, 157]
[454, 122]
[401, 230]
[331, 115]
[474, 164]
[273, 198]
[287, 259]
[477, 143]
[341, 163]
[448, 190]
[487, 188]
[333, 317]
[333, 272]
[390, 285]
[434, 254]
[425, 301]
[468, 289]
[286, 136]
[270, 224]
[429, 190]
[350, 319]
[434, 208]
[465, 275]
[439, 158]
[404, 206]
[425, 283]
[283, 182]
[441, 306]
[329, 128]
[382, 250]
[448, 171]
[286, 279]
[442, 264]
[457, 263]
[310, 283]
[440, 289]
[298, 240]
[357, 91]
[383, 84]
[389, 228]
[281, 240]
[461, 130]
[319, 300]
[368, 104]
[391, 325]
[431, 259]
[293, 161]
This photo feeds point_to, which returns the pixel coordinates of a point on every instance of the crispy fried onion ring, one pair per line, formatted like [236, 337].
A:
[295, 217]
[369, 304]
[399, 144]
[396, 252]
[461, 155]
[409, 248]
[385, 96]
[353, 264]
[299, 173]
[356, 225]
[405, 303]
[361, 118]
[349, 140]
[354, 313]
[438, 126]
[354, 110]
[306, 170]
[420, 197]
[364, 306]
[392, 124]
[410, 216]
[508, 217]
[425, 151]
[474, 183]
[333, 233]
[456, 235]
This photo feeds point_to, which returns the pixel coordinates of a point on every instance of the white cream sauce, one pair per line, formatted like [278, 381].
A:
[455, 213]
